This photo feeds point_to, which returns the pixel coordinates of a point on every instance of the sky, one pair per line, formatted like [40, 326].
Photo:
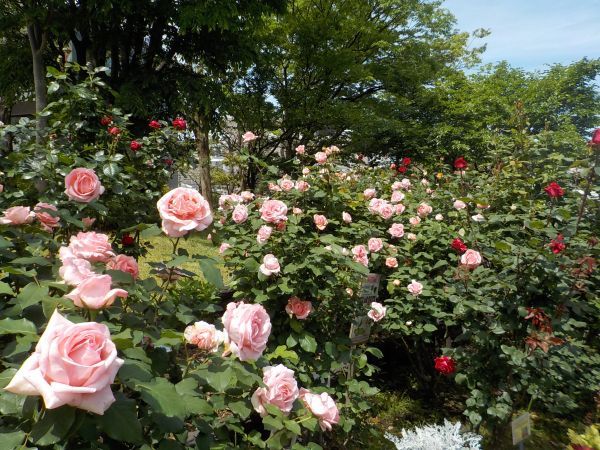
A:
[532, 33]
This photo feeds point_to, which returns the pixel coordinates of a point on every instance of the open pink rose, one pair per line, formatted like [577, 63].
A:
[264, 233]
[302, 186]
[228, 201]
[94, 247]
[391, 262]
[397, 197]
[273, 211]
[369, 193]
[281, 390]
[240, 214]
[248, 328]
[423, 210]
[459, 204]
[375, 244]
[299, 308]
[396, 230]
[73, 270]
[126, 264]
[322, 407]
[415, 288]
[346, 217]
[223, 247]
[88, 221]
[470, 259]
[73, 364]
[247, 196]
[386, 210]
[183, 210]
[405, 184]
[360, 255]
[399, 208]
[270, 265]
[377, 311]
[45, 217]
[249, 136]
[414, 221]
[95, 293]
[17, 215]
[300, 150]
[204, 335]
[321, 157]
[83, 185]
[285, 184]
[320, 221]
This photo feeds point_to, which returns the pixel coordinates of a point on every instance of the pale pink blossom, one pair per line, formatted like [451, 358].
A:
[411, 236]
[48, 220]
[296, 211]
[320, 221]
[274, 187]
[322, 406]
[247, 196]
[471, 259]
[264, 233]
[406, 184]
[320, 157]
[396, 230]
[305, 171]
[397, 197]
[300, 150]
[273, 211]
[299, 308]
[414, 221]
[223, 247]
[391, 262]
[423, 210]
[459, 204]
[88, 221]
[126, 264]
[369, 193]
[396, 282]
[396, 186]
[183, 210]
[285, 184]
[346, 217]
[17, 215]
[204, 335]
[439, 217]
[248, 136]
[94, 247]
[478, 218]
[361, 255]
[377, 311]
[228, 201]
[399, 208]
[270, 265]
[415, 288]
[281, 390]
[83, 185]
[302, 186]
[375, 244]
[95, 293]
[248, 328]
[240, 213]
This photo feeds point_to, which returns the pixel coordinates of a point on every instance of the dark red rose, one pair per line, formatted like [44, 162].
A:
[557, 245]
[445, 365]
[402, 169]
[460, 163]
[596, 137]
[458, 245]
[127, 240]
[360, 156]
[135, 146]
[169, 162]
[406, 161]
[115, 131]
[393, 166]
[280, 226]
[106, 121]
[554, 190]
[180, 124]
[154, 124]
[580, 447]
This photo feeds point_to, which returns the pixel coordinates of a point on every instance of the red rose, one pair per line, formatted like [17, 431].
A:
[393, 166]
[406, 161]
[596, 137]
[580, 447]
[179, 124]
[445, 365]
[154, 124]
[114, 131]
[458, 245]
[127, 240]
[557, 245]
[554, 190]
[135, 146]
[169, 162]
[460, 163]
[106, 120]
[360, 156]
[402, 169]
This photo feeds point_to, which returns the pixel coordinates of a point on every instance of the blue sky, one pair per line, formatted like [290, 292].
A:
[533, 33]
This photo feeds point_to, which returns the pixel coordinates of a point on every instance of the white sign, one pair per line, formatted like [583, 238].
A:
[360, 330]
[521, 428]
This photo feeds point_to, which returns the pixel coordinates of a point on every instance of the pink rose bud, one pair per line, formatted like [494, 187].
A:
[459, 204]
[411, 236]
[296, 211]
[439, 217]
[346, 217]
[396, 282]
[17, 215]
[223, 247]
[320, 221]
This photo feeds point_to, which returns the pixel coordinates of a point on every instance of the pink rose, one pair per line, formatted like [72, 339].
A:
[47, 220]
[126, 264]
[369, 193]
[391, 262]
[375, 244]
[264, 233]
[248, 328]
[321, 157]
[247, 196]
[414, 221]
[423, 210]
[302, 186]
[281, 390]
[396, 230]
[397, 197]
[17, 215]
[95, 293]
[240, 214]
[88, 221]
[320, 221]
[228, 201]
[386, 210]
[322, 407]
[459, 204]
[361, 255]
[396, 186]
[299, 308]
[286, 184]
[439, 217]
[424, 182]
[415, 288]
[249, 136]
[73, 270]
[82, 185]
[94, 247]
[478, 218]
[377, 311]
[411, 236]
[274, 187]
[399, 208]
[183, 210]
[273, 211]
[296, 211]
[375, 205]
[305, 171]
[346, 217]
[405, 184]
[204, 335]
[396, 282]
[270, 265]
[73, 364]
[300, 150]
[470, 259]
[223, 247]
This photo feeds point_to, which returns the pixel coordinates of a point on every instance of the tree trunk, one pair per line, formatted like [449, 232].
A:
[201, 131]
[37, 42]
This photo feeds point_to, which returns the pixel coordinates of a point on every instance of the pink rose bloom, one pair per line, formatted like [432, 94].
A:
[296, 211]
[369, 193]
[459, 204]
[47, 220]
[183, 210]
[83, 185]
[405, 184]
[415, 288]
[305, 171]
[286, 184]
[470, 259]
[375, 244]
[247, 196]
[281, 390]
[396, 230]
[346, 217]
[300, 150]
[321, 157]
[377, 311]
[397, 197]
[270, 265]
[423, 210]
[95, 293]
[273, 211]
[414, 221]
[361, 255]
[375, 205]
[396, 186]
[322, 407]
[439, 217]
[73, 270]
[302, 186]
[299, 308]
[17, 215]
[334, 149]
[204, 335]
[223, 247]
[126, 264]
[424, 182]
[228, 201]
[73, 364]
[274, 187]
[94, 247]
[391, 262]
[399, 208]
[386, 210]
[411, 236]
[248, 328]
[240, 214]
[320, 221]
[88, 221]
[264, 233]
[249, 136]
[396, 282]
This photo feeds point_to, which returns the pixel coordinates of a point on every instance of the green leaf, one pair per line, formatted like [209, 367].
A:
[293, 427]
[272, 423]
[5, 288]
[30, 295]
[220, 380]
[150, 232]
[120, 421]
[162, 397]
[211, 272]
[308, 343]
[111, 169]
[12, 440]
[240, 408]
[53, 426]
[20, 326]
[30, 260]
[429, 327]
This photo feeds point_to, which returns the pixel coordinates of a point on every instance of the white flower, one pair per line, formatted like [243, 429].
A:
[478, 218]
